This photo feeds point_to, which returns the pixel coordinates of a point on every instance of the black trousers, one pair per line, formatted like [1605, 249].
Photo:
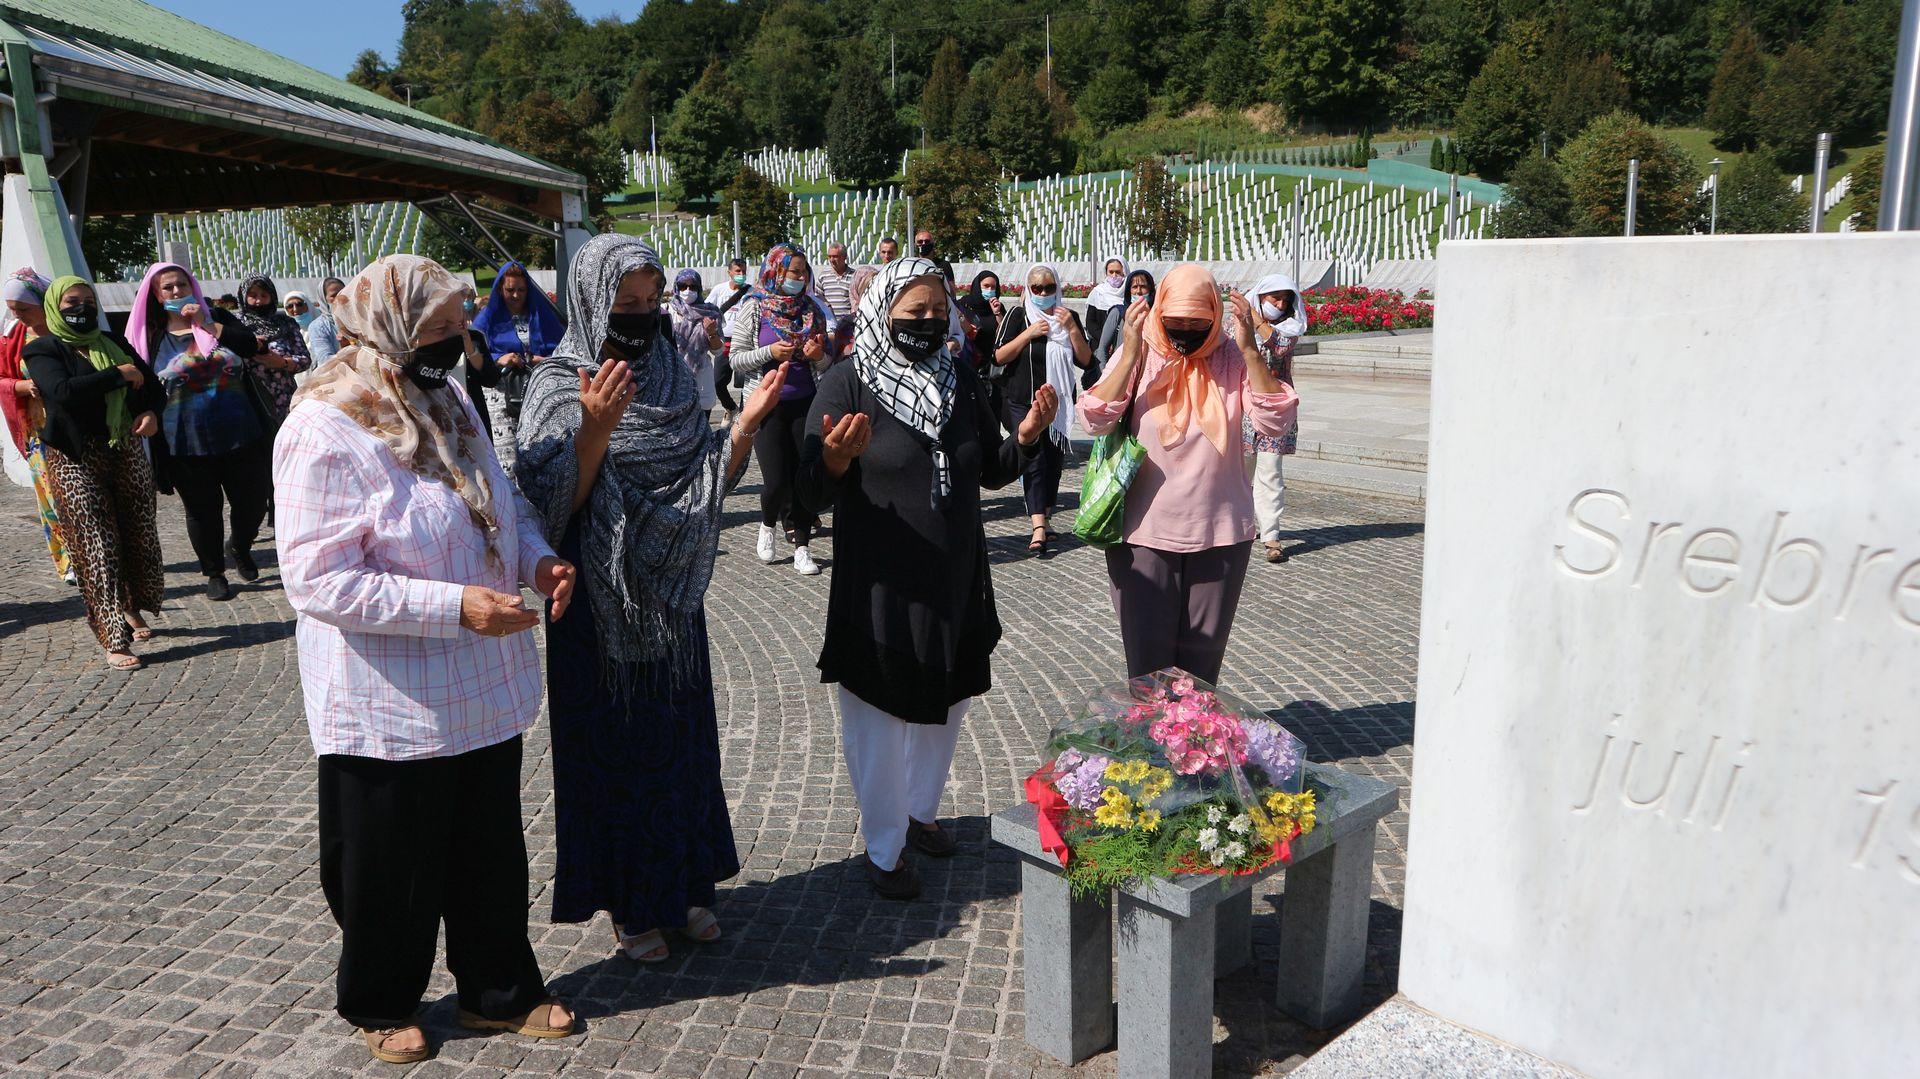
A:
[1040, 478]
[777, 445]
[238, 480]
[405, 845]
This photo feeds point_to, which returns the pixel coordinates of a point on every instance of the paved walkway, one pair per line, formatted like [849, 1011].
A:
[161, 914]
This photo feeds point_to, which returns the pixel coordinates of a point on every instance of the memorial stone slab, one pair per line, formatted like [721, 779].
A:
[1666, 798]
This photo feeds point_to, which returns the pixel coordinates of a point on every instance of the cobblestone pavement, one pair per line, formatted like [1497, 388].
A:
[161, 913]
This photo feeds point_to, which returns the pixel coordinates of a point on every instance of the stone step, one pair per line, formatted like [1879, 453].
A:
[1412, 344]
[1356, 453]
[1357, 478]
[1374, 365]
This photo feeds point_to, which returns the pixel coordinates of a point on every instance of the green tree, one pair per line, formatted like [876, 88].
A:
[1856, 43]
[1536, 202]
[1158, 218]
[972, 113]
[327, 230]
[1796, 104]
[1114, 97]
[1865, 191]
[559, 133]
[1499, 120]
[862, 138]
[941, 96]
[956, 196]
[113, 245]
[1020, 131]
[1595, 165]
[1755, 197]
[705, 137]
[1233, 70]
[632, 122]
[767, 215]
[1330, 59]
[1443, 44]
[1737, 80]
[785, 76]
[370, 72]
[1575, 89]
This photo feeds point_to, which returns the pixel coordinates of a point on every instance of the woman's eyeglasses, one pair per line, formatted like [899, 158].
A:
[1043, 290]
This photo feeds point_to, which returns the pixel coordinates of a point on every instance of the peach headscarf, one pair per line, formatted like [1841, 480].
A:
[1185, 388]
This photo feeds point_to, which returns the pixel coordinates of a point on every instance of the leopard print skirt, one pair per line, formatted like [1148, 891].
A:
[106, 504]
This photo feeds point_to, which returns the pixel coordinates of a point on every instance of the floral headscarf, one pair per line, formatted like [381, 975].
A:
[793, 316]
[392, 307]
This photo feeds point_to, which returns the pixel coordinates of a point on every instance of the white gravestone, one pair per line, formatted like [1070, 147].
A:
[1666, 801]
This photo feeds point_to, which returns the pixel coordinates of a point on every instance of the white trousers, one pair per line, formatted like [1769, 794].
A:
[899, 770]
[1269, 493]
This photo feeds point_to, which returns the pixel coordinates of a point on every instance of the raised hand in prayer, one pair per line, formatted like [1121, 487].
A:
[814, 349]
[845, 441]
[1046, 405]
[1242, 322]
[760, 403]
[1136, 325]
[603, 399]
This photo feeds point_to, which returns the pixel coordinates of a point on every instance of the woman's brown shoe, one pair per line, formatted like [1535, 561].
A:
[381, 1044]
[537, 1023]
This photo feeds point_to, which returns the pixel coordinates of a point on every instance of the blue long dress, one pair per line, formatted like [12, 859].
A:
[640, 815]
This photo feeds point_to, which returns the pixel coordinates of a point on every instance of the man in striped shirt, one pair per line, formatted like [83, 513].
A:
[836, 284]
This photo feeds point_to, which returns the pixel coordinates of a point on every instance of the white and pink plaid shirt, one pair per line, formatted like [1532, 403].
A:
[375, 558]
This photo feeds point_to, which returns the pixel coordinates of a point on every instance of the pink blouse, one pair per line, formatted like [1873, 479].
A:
[1193, 497]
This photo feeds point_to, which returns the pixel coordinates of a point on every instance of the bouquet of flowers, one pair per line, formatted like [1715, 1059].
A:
[1163, 775]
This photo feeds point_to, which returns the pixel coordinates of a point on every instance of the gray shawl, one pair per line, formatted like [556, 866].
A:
[651, 527]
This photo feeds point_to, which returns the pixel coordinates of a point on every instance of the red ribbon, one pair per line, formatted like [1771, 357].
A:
[1052, 811]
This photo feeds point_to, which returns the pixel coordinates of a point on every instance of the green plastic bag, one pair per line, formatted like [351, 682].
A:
[1103, 487]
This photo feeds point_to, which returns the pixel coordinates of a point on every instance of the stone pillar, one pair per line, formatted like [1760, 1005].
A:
[1068, 965]
[1166, 993]
[1233, 933]
[1323, 932]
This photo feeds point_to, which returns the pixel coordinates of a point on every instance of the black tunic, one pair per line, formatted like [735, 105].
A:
[910, 615]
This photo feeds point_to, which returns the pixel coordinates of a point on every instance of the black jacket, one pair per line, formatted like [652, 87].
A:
[75, 395]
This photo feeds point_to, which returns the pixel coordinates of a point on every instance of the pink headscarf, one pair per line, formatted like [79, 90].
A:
[144, 300]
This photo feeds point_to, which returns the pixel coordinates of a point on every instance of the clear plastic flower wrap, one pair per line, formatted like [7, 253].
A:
[1164, 774]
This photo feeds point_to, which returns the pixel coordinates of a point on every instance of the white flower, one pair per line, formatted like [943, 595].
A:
[1234, 851]
[1214, 814]
[1219, 857]
[1209, 839]
[1240, 824]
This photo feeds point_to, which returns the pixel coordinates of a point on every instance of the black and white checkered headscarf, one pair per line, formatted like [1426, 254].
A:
[919, 395]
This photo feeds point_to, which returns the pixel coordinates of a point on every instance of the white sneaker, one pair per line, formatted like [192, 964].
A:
[804, 563]
[765, 547]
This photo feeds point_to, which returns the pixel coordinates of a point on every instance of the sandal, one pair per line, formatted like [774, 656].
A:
[377, 1044]
[123, 661]
[647, 947]
[141, 631]
[1038, 545]
[523, 1024]
[702, 926]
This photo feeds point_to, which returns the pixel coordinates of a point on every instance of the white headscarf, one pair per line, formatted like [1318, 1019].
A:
[1060, 372]
[1295, 324]
[1106, 297]
[919, 395]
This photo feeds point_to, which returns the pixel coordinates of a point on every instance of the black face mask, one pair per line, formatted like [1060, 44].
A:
[1185, 342]
[918, 338]
[430, 363]
[924, 248]
[80, 317]
[631, 334]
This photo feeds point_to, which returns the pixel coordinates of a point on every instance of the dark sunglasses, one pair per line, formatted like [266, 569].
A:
[1043, 290]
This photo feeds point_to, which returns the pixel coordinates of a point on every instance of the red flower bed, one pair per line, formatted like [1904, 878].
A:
[1353, 309]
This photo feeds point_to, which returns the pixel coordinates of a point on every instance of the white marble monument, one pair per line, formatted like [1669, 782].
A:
[1666, 799]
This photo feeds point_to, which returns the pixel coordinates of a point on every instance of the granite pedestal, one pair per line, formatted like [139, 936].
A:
[1176, 936]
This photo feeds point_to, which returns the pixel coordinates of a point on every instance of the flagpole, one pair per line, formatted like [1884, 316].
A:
[653, 151]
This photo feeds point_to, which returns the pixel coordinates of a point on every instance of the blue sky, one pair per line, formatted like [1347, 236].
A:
[328, 34]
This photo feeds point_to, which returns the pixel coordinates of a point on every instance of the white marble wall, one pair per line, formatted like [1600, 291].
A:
[1666, 800]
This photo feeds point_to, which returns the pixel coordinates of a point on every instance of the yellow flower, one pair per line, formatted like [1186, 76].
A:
[1116, 771]
[1114, 813]
[1149, 820]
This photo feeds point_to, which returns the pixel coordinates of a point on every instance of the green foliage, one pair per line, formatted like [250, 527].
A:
[1499, 120]
[1113, 858]
[370, 72]
[1795, 105]
[767, 215]
[1114, 97]
[1737, 80]
[1331, 58]
[632, 122]
[1755, 197]
[1536, 204]
[971, 114]
[1158, 219]
[862, 138]
[956, 197]
[1865, 191]
[1595, 166]
[1444, 43]
[1856, 44]
[328, 230]
[784, 75]
[705, 137]
[1020, 131]
[558, 132]
[111, 243]
[940, 98]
